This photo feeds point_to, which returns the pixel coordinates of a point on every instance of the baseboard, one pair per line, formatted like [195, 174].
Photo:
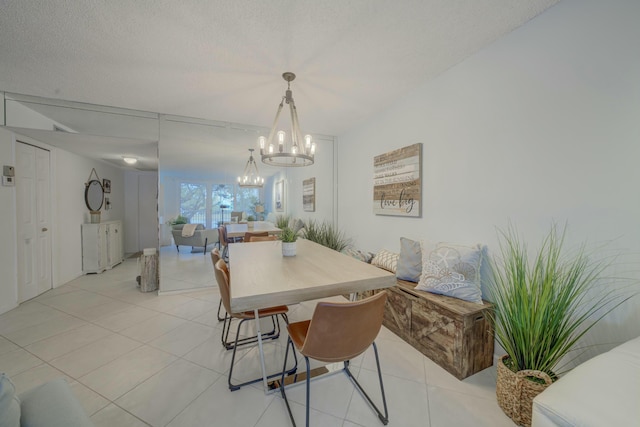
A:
[8, 307]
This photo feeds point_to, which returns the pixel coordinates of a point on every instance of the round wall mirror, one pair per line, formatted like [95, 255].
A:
[94, 195]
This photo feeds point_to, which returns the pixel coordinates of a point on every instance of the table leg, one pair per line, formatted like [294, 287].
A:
[264, 369]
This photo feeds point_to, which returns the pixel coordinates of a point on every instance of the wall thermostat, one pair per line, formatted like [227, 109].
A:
[8, 171]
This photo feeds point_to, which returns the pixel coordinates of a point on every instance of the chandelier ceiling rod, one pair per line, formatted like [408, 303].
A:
[298, 154]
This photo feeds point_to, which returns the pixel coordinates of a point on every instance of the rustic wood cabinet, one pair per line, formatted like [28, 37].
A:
[455, 334]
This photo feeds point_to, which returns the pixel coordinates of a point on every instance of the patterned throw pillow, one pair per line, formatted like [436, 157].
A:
[358, 254]
[410, 260]
[386, 259]
[453, 270]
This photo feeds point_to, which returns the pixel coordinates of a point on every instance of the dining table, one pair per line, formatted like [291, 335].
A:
[263, 277]
[239, 229]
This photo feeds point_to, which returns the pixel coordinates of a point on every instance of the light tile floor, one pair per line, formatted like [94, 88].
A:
[136, 359]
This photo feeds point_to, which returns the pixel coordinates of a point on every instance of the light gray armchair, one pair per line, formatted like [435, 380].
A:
[201, 237]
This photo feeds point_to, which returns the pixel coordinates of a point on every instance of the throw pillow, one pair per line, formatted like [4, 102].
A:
[9, 403]
[386, 259]
[358, 254]
[453, 270]
[410, 260]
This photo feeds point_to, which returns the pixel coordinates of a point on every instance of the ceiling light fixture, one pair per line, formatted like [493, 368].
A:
[130, 160]
[251, 178]
[293, 152]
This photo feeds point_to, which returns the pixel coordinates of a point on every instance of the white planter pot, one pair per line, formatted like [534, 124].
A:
[288, 248]
[250, 224]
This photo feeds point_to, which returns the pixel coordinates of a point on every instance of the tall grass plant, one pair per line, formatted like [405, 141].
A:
[325, 234]
[545, 304]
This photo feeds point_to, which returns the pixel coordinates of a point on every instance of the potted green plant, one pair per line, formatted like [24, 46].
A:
[250, 221]
[325, 234]
[543, 305]
[180, 220]
[288, 237]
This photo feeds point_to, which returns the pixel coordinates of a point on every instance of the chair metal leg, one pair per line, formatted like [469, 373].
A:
[383, 418]
[271, 335]
[234, 387]
[177, 248]
[284, 371]
[204, 251]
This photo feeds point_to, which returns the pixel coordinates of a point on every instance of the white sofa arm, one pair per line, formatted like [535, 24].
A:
[603, 391]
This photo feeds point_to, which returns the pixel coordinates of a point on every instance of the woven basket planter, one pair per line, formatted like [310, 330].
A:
[515, 392]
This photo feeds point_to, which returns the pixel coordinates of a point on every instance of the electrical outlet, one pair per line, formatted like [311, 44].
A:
[8, 181]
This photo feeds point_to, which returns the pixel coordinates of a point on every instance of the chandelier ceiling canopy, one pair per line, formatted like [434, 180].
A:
[292, 151]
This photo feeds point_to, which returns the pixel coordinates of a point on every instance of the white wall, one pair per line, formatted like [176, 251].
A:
[322, 170]
[540, 126]
[141, 213]
[71, 173]
[8, 236]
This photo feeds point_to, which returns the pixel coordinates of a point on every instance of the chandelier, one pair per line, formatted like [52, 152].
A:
[251, 178]
[292, 151]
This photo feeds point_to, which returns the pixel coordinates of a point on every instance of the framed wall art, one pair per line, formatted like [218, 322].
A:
[397, 182]
[106, 185]
[309, 195]
[279, 196]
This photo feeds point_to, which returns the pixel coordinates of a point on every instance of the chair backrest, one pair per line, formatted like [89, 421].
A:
[236, 214]
[249, 234]
[343, 330]
[215, 256]
[222, 277]
[222, 235]
[261, 238]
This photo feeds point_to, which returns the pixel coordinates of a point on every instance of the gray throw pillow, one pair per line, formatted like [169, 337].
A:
[410, 260]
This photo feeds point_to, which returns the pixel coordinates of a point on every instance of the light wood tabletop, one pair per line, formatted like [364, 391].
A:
[262, 277]
[238, 230]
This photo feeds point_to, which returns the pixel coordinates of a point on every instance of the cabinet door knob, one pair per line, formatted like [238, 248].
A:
[45, 229]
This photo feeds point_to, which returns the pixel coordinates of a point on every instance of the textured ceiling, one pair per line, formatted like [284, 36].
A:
[223, 60]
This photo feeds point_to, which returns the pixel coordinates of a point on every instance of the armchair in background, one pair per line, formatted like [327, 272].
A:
[201, 237]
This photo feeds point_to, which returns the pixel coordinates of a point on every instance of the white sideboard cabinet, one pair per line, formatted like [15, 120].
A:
[101, 246]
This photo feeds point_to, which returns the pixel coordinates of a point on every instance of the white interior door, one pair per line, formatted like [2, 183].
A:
[34, 220]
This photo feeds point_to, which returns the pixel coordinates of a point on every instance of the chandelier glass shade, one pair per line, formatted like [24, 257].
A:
[291, 151]
[251, 178]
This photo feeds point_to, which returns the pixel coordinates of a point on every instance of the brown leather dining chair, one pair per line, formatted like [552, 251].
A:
[222, 277]
[262, 238]
[249, 234]
[225, 240]
[215, 257]
[338, 332]
[273, 334]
